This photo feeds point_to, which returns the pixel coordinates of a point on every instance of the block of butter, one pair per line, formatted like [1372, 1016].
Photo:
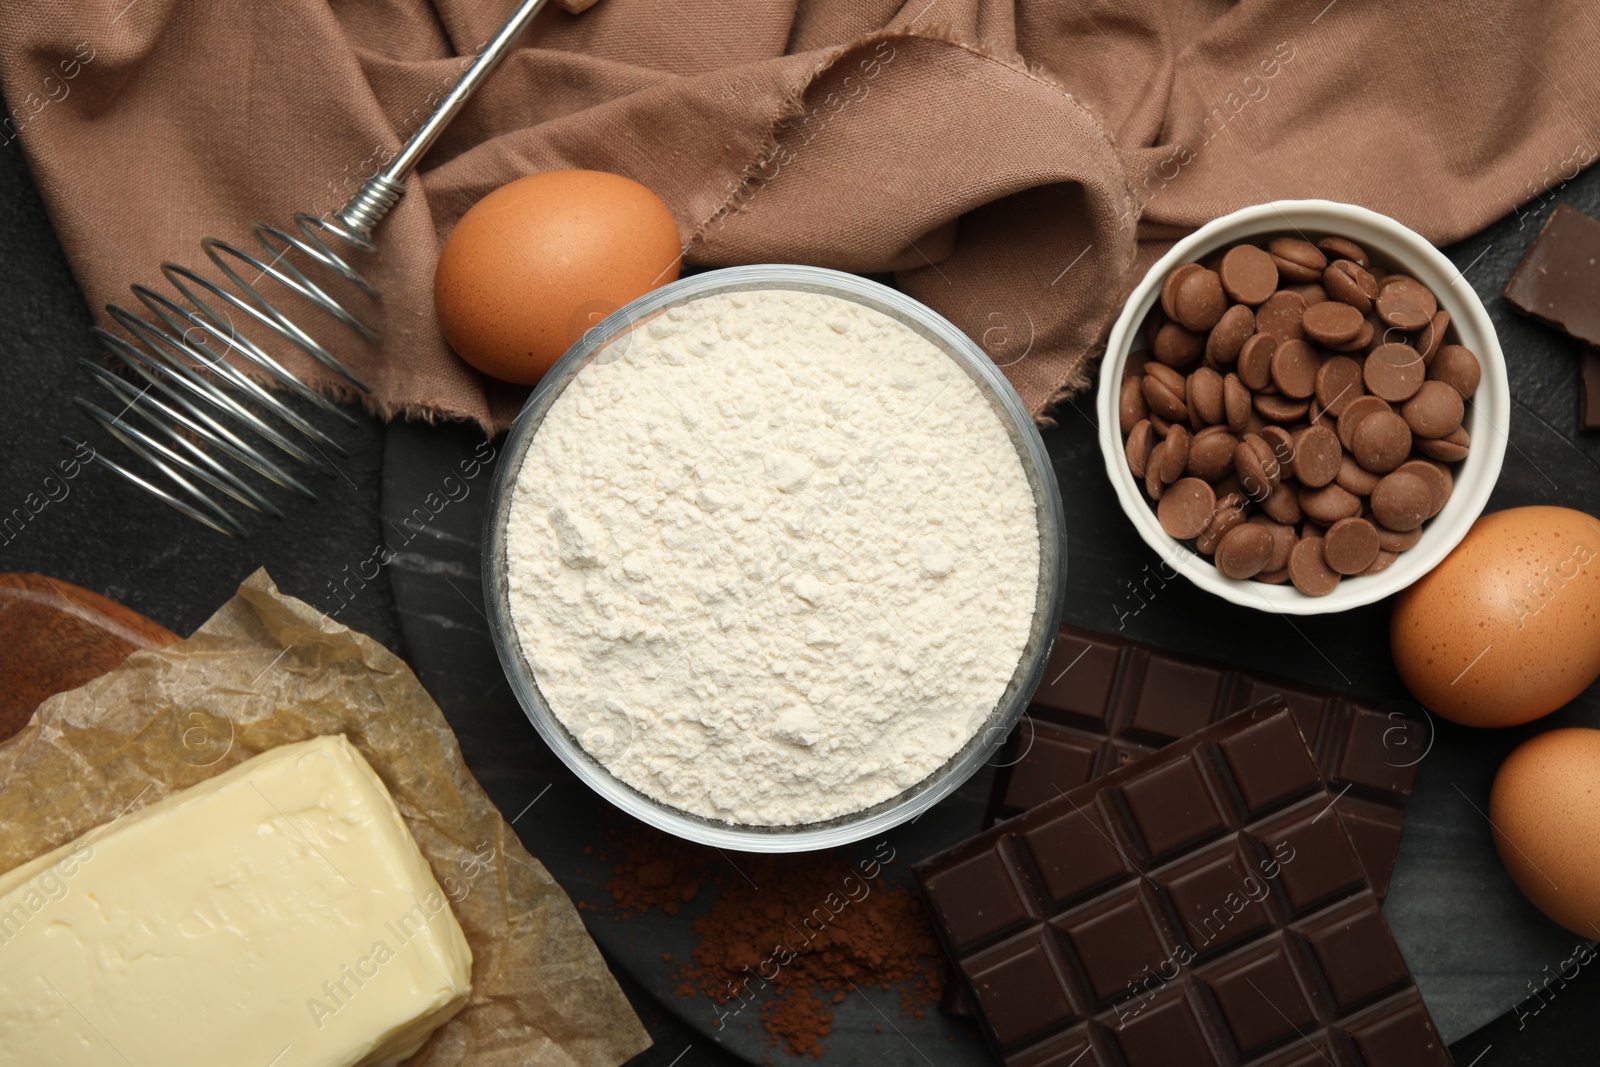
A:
[277, 915]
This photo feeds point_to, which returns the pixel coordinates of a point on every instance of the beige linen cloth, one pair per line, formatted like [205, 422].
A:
[1014, 163]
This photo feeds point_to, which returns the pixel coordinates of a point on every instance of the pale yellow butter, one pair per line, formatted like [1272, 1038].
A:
[277, 915]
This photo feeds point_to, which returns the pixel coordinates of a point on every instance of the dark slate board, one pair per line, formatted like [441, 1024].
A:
[1473, 941]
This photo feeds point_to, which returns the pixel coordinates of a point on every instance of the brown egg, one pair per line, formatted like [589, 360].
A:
[1547, 825]
[1507, 628]
[539, 261]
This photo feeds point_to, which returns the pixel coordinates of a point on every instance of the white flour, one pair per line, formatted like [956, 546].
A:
[772, 557]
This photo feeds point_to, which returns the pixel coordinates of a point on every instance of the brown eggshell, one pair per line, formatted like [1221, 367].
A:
[1546, 827]
[541, 260]
[1507, 628]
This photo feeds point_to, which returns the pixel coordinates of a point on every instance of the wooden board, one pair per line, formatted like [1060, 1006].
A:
[55, 636]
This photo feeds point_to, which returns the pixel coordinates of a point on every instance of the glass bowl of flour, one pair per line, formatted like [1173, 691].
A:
[774, 558]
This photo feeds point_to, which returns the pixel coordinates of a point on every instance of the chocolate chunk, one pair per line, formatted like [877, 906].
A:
[1137, 448]
[1316, 456]
[1554, 283]
[1095, 916]
[1279, 317]
[1131, 407]
[1255, 361]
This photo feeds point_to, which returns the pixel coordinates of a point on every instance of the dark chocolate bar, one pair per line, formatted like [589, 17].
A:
[1589, 392]
[1556, 282]
[1204, 906]
[1106, 702]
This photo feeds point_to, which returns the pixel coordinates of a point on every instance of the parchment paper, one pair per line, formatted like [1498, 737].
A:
[267, 670]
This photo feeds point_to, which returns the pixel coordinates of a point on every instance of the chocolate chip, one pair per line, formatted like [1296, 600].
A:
[1283, 540]
[1169, 288]
[1432, 335]
[1435, 411]
[1381, 442]
[1397, 540]
[1440, 481]
[1153, 485]
[1354, 412]
[1204, 398]
[1406, 303]
[1280, 315]
[1310, 292]
[1131, 407]
[1308, 570]
[1355, 478]
[1248, 274]
[1450, 448]
[1332, 323]
[1305, 261]
[1281, 442]
[1255, 361]
[1402, 501]
[1329, 504]
[1283, 503]
[1186, 508]
[1211, 453]
[1382, 562]
[1175, 453]
[1280, 408]
[1244, 551]
[1140, 441]
[1235, 403]
[1350, 546]
[1230, 333]
[1317, 453]
[1256, 467]
[1349, 283]
[1394, 372]
[1176, 346]
[1229, 512]
[1294, 368]
[1342, 248]
[1198, 302]
[1163, 391]
[1457, 366]
[1338, 383]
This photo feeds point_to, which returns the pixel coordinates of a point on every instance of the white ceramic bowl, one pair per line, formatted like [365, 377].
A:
[1487, 421]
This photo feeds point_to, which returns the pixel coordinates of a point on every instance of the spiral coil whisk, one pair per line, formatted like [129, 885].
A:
[199, 420]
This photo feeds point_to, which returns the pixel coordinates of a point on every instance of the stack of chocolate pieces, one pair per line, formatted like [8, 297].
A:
[1199, 885]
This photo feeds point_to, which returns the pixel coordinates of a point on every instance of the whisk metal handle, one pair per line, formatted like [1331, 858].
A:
[378, 194]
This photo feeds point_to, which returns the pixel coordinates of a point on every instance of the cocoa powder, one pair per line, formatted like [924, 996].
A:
[787, 937]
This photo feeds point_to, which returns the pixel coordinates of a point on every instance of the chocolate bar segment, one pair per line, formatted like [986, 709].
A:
[1204, 906]
[1106, 702]
[1556, 281]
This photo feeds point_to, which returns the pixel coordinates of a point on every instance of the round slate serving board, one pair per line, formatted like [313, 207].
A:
[1472, 940]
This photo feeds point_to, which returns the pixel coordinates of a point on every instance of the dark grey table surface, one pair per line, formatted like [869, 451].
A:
[1475, 944]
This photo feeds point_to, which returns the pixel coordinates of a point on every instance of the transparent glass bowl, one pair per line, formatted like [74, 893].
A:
[1047, 609]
